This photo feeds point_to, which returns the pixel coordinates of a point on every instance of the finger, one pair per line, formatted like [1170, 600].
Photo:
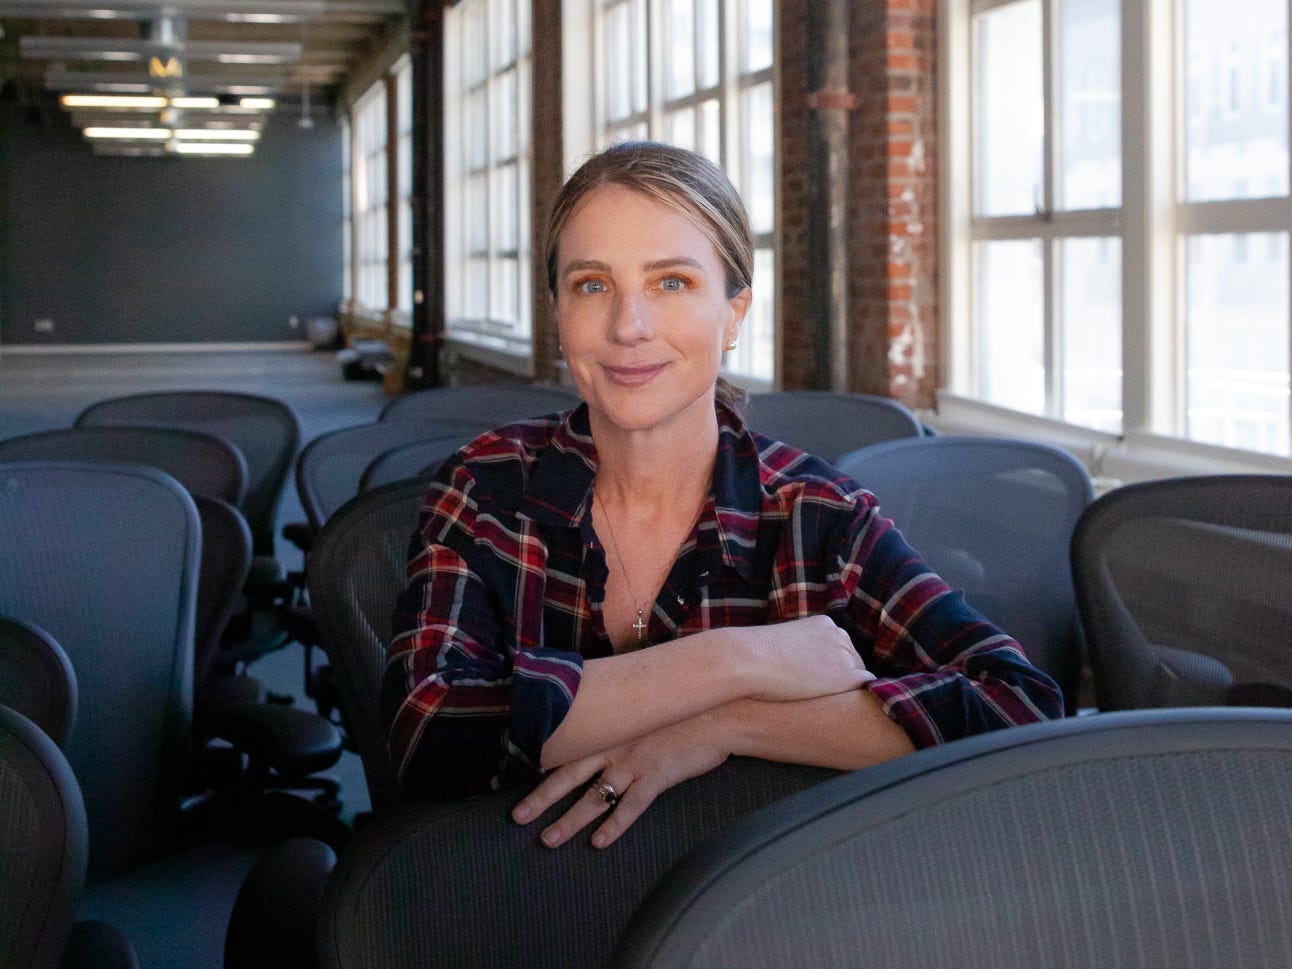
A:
[582, 813]
[555, 786]
[630, 807]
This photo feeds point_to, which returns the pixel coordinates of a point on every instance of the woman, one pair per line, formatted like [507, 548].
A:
[786, 619]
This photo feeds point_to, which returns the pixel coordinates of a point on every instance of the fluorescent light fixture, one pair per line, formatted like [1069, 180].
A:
[111, 101]
[212, 148]
[132, 134]
[257, 104]
[217, 134]
[194, 102]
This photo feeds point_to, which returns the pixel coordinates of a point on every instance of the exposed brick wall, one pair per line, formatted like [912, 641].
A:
[892, 308]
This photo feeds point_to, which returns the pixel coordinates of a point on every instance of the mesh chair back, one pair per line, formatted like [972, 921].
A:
[36, 678]
[994, 518]
[356, 569]
[331, 466]
[494, 404]
[829, 424]
[1185, 591]
[1155, 839]
[105, 559]
[264, 429]
[461, 884]
[408, 461]
[226, 563]
[202, 463]
[42, 846]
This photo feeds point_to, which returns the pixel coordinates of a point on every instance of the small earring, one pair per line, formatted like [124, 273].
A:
[731, 345]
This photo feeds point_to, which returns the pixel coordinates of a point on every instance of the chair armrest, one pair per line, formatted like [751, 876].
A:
[293, 742]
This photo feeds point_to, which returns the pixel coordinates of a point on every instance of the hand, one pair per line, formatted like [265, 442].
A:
[639, 771]
[802, 659]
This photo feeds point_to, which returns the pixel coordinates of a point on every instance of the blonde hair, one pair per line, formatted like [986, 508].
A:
[684, 180]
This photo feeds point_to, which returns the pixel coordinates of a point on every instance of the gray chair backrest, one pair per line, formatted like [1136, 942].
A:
[42, 846]
[407, 461]
[226, 563]
[105, 559]
[993, 517]
[441, 883]
[36, 678]
[203, 463]
[829, 424]
[264, 429]
[494, 404]
[1185, 591]
[1156, 839]
[331, 466]
[356, 569]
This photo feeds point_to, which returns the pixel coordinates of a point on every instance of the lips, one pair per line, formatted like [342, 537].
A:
[633, 376]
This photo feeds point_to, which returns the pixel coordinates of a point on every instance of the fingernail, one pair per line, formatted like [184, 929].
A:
[599, 840]
[551, 837]
[521, 812]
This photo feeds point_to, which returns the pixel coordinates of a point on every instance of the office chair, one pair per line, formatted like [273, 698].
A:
[459, 883]
[42, 859]
[356, 570]
[331, 466]
[106, 559]
[1149, 838]
[36, 678]
[201, 462]
[493, 404]
[264, 429]
[829, 424]
[1184, 587]
[994, 518]
[406, 461]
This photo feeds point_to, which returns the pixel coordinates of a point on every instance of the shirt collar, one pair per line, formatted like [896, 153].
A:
[560, 490]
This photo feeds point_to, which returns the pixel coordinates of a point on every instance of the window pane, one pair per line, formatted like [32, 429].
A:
[503, 114]
[502, 29]
[709, 140]
[756, 349]
[1237, 340]
[760, 159]
[1236, 118]
[757, 53]
[681, 128]
[707, 43]
[1011, 324]
[679, 47]
[1092, 333]
[1010, 110]
[618, 51]
[1090, 82]
[503, 205]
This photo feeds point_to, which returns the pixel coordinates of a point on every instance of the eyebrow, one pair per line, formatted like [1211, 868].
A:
[579, 265]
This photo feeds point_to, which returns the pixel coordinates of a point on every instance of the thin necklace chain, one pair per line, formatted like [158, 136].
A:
[640, 624]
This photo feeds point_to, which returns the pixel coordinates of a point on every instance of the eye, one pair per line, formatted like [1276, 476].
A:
[590, 287]
[673, 284]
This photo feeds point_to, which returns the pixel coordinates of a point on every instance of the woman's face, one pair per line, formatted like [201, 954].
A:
[642, 308]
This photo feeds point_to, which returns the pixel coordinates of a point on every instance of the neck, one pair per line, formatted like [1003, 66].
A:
[662, 467]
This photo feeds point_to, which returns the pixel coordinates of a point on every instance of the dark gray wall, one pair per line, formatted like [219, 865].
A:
[165, 250]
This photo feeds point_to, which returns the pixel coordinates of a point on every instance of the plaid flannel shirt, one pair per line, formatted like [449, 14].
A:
[506, 579]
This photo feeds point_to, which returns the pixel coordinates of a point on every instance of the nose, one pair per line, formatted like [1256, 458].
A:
[631, 320]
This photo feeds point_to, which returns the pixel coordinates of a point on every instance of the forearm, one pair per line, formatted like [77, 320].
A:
[844, 731]
[623, 697]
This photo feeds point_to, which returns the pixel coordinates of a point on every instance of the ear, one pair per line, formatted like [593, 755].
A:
[739, 307]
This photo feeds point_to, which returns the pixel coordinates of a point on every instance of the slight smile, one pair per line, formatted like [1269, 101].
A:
[633, 376]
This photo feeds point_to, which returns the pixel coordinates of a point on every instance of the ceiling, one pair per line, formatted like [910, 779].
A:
[288, 50]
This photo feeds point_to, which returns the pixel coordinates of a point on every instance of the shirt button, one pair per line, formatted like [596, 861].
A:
[681, 600]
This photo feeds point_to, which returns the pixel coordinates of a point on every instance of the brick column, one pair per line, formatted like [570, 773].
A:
[893, 251]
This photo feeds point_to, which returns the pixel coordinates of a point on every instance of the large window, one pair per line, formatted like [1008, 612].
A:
[696, 73]
[487, 179]
[369, 215]
[1104, 201]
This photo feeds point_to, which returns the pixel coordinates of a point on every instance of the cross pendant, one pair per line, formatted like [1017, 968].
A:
[639, 625]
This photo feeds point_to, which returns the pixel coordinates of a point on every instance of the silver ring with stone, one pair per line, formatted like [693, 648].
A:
[606, 791]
